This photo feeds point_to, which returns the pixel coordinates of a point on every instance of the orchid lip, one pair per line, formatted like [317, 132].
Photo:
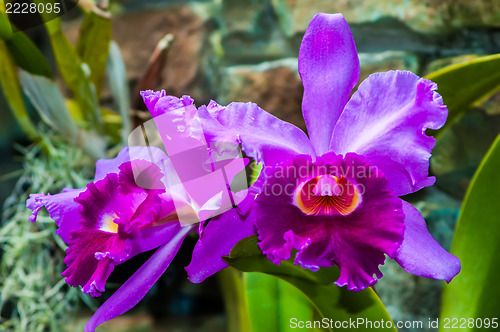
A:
[327, 195]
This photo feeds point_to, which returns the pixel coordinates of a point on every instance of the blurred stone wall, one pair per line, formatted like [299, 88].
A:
[246, 50]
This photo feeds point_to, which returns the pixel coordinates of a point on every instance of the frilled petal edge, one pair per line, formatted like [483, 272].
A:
[357, 242]
[62, 209]
[136, 287]
[385, 121]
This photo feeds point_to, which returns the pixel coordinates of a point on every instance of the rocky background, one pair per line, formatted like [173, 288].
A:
[246, 50]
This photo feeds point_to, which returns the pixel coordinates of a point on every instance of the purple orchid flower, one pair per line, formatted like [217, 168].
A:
[334, 196]
[117, 217]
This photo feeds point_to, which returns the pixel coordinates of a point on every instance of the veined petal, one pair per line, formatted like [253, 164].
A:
[420, 253]
[136, 287]
[91, 258]
[113, 212]
[217, 240]
[385, 121]
[329, 69]
[263, 136]
[357, 242]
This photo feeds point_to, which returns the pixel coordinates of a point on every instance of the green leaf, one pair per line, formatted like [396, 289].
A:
[24, 52]
[10, 87]
[273, 302]
[474, 292]
[74, 72]
[93, 45]
[330, 301]
[119, 86]
[27, 56]
[233, 292]
[46, 98]
[466, 84]
[5, 27]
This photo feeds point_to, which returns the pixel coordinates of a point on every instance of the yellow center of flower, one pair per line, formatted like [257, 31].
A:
[108, 224]
[327, 195]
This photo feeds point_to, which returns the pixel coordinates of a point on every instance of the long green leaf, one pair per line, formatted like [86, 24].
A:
[332, 302]
[74, 72]
[119, 86]
[233, 292]
[272, 303]
[10, 87]
[466, 84]
[27, 56]
[24, 52]
[46, 98]
[93, 45]
[474, 293]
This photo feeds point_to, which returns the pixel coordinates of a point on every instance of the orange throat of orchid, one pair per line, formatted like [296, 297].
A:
[327, 195]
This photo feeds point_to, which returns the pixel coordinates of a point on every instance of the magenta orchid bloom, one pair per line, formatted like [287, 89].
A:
[333, 197]
[114, 219]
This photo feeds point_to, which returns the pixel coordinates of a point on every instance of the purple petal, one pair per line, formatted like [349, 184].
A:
[136, 287]
[158, 102]
[329, 69]
[420, 253]
[151, 97]
[62, 209]
[149, 153]
[112, 210]
[385, 121]
[153, 237]
[263, 136]
[217, 239]
[356, 242]
[91, 258]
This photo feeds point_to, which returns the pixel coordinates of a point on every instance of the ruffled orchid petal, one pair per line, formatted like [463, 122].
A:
[218, 238]
[113, 211]
[91, 258]
[136, 287]
[385, 121]
[329, 69]
[151, 97]
[356, 242]
[420, 253]
[158, 102]
[62, 209]
[263, 136]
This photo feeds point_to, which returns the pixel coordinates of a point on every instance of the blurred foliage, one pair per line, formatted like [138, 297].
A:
[34, 297]
[80, 118]
[262, 302]
[330, 300]
[473, 293]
